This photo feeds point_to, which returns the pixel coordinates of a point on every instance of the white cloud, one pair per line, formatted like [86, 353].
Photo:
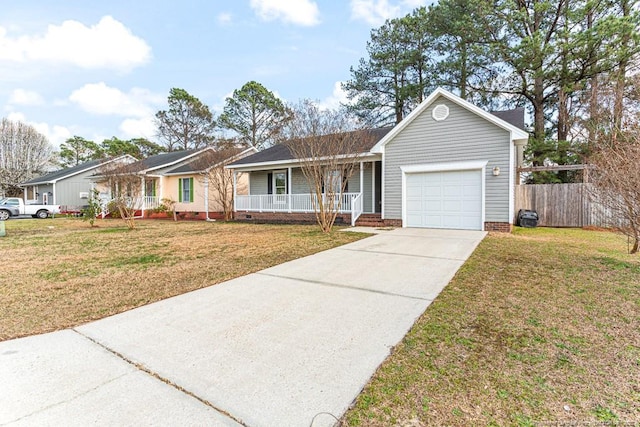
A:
[144, 127]
[337, 97]
[54, 133]
[375, 12]
[224, 18]
[107, 44]
[299, 12]
[25, 97]
[98, 98]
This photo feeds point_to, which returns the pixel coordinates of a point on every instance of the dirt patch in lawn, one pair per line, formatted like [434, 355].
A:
[538, 328]
[60, 273]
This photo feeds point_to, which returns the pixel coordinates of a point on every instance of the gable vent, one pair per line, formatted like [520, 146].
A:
[440, 112]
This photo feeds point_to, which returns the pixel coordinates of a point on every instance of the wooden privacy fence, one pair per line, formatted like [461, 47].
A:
[562, 205]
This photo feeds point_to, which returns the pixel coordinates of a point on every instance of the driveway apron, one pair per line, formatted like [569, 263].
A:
[291, 345]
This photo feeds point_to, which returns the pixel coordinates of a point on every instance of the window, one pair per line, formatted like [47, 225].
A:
[334, 181]
[280, 182]
[185, 190]
[150, 187]
[277, 182]
[32, 193]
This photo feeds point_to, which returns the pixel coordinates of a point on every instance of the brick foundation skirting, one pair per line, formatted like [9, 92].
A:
[286, 218]
[502, 227]
[197, 216]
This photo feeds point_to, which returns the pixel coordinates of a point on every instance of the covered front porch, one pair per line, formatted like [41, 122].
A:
[285, 190]
[140, 194]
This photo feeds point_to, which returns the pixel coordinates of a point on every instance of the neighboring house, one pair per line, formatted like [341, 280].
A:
[70, 188]
[179, 176]
[448, 164]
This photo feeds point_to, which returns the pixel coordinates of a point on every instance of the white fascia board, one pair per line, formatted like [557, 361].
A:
[516, 133]
[444, 167]
[232, 158]
[78, 172]
[175, 162]
[278, 164]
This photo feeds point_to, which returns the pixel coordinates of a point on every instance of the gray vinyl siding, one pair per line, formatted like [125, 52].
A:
[366, 188]
[258, 182]
[46, 188]
[463, 136]
[299, 184]
[68, 190]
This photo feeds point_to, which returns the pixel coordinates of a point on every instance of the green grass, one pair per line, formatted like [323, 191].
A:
[63, 272]
[541, 326]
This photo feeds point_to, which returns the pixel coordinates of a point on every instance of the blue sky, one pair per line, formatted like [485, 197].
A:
[99, 69]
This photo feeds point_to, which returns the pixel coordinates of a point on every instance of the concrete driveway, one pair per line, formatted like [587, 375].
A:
[291, 345]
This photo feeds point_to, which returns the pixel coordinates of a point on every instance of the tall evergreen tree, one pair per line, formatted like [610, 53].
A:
[255, 114]
[78, 150]
[187, 124]
[388, 84]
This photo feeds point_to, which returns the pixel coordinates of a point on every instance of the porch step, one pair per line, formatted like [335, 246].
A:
[370, 220]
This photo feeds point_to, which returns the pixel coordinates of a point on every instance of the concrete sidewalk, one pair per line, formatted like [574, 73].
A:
[274, 348]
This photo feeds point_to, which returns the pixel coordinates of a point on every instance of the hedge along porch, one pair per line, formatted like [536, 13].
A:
[448, 164]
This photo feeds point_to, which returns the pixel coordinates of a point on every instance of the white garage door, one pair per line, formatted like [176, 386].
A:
[451, 199]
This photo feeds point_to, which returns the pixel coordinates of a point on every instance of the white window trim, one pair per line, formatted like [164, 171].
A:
[273, 186]
[182, 181]
[444, 167]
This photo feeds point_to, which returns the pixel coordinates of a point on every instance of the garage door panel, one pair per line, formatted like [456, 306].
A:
[451, 199]
[450, 191]
[452, 206]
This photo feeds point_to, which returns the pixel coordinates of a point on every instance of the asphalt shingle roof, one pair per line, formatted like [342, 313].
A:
[514, 117]
[163, 159]
[63, 173]
[281, 152]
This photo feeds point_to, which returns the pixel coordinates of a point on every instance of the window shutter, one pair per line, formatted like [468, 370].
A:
[269, 183]
[154, 188]
[180, 190]
[191, 190]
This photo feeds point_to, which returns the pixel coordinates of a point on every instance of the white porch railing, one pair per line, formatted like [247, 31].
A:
[356, 208]
[349, 203]
[138, 203]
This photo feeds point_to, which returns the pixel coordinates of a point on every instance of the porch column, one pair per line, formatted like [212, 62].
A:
[361, 186]
[206, 197]
[24, 191]
[235, 189]
[144, 196]
[373, 187]
[289, 188]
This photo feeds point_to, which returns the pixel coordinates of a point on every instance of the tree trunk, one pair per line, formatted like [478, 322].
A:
[463, 70]
[620, 82]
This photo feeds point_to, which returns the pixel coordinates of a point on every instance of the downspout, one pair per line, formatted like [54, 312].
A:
[206, 198]
[234, 192]
[144, 196]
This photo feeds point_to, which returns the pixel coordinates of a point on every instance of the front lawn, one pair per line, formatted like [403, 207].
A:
[58, 273]
[538, 328]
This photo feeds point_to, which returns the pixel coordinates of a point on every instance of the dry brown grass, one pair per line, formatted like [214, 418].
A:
[60, 273]
[538, 328]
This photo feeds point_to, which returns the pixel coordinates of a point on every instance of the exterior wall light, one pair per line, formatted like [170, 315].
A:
[496, 171]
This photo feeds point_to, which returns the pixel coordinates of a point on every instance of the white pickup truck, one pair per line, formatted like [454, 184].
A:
[14, 206]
